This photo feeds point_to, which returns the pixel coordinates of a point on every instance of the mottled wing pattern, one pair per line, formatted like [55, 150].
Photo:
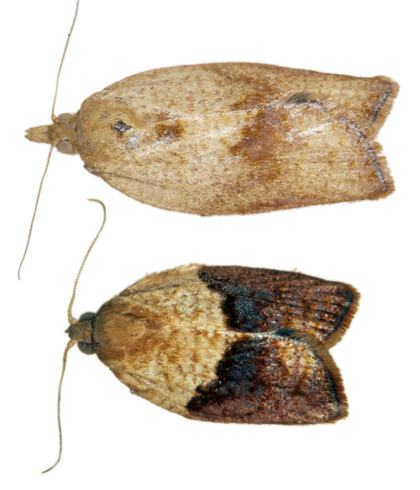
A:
[236, 138]
[283, 378]
[229, 344]
[264, 300]
[366, 101]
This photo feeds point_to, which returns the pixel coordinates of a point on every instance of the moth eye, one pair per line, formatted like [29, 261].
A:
[121, 127]
[65, 146]
[89, 315]
[86, 347]
[65, 117]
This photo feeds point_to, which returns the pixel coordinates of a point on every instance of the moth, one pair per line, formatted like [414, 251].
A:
[226, 344]
[232, 138]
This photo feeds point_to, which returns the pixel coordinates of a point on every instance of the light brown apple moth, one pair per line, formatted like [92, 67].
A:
[229, 138]
[222, 343]
[226, 344]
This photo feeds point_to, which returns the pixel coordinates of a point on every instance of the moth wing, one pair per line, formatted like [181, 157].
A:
[166, 337]
[284, 378]
[300, 152]
[261, 300]
[365, 101]
[285, 154]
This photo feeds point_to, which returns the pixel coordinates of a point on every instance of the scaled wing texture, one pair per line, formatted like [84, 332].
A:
[230, 344]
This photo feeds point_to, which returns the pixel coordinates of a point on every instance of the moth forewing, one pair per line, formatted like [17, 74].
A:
[233, 138]
[227, 344]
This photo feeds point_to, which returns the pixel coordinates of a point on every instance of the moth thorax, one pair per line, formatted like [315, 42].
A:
[82, 332]
[61, 133]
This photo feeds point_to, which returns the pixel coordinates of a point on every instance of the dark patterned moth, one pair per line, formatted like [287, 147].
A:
[224, 343]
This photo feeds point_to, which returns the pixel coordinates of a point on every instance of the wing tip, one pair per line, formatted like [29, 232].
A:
[336, 380]
[346, 316]
[384, 175]
[382, 107]
[338, 388]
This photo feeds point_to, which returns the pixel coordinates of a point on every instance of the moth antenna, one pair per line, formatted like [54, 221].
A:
[72, 342]
[41, 183]
[76, 282]
[53, 117]
[60, 385]
[57, 81]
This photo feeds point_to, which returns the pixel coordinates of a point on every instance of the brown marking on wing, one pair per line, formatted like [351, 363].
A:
[253, 90]
[124, 332]
[169, 131]
[264, 300]
[264, 137]
[281, 379]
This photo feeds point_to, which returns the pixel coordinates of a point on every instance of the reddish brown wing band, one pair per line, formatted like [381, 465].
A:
[262, 300]
[282, 379]
[228, 344]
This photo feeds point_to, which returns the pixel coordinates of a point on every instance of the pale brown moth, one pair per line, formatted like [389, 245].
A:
[232, 138]
[229, 138]
[225, 344]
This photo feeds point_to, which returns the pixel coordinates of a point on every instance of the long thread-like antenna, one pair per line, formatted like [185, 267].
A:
[57, 81]
[76, 282]
[60, 385]
[72, 342]
[41, 183]
[53, 117]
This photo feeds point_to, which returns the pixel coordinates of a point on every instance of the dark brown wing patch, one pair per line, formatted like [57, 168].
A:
[281, 378]
[264, 300]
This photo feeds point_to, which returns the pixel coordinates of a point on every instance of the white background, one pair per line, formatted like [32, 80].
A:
[116, 440]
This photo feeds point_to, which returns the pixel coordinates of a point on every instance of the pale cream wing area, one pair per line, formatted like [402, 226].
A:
[234, 138]
[163, 346]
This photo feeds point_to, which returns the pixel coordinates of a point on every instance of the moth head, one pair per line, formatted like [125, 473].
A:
[82, 331]
[61, 133]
